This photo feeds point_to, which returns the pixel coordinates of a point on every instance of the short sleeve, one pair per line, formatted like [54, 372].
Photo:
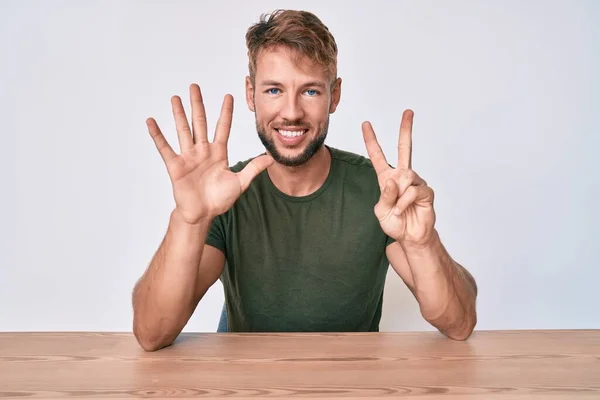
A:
[216, 234]
[389, 240]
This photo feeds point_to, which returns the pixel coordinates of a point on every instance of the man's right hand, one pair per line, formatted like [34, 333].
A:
[203, 185]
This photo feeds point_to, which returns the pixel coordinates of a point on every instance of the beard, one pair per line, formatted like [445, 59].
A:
[309, 151]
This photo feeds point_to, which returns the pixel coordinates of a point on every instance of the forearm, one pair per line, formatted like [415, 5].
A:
[163, 299]
[445, 291]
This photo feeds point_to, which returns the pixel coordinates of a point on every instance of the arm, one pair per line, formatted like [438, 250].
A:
[179, 275]
[446, 291]
[204, 187]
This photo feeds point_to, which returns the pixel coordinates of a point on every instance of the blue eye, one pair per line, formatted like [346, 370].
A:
[271, 91]
[312, 92]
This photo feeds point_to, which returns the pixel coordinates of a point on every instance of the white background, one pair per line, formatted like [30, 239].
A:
[507, 118]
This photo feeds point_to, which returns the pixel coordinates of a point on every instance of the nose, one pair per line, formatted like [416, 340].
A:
[292, 109]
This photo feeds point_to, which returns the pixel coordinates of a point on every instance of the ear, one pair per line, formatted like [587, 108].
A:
[336, 94]
[250, 94]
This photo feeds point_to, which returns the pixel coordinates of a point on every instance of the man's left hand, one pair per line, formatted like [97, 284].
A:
[405, 208]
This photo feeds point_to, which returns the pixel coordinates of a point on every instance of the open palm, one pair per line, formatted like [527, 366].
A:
[203, 184]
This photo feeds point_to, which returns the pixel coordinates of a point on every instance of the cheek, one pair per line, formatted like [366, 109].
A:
[319, 113]
[320, 107]
[264, 110]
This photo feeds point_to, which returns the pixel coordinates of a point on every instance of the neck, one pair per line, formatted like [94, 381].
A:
[303, 179]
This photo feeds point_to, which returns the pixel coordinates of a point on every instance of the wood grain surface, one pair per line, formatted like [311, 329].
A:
[423, 365]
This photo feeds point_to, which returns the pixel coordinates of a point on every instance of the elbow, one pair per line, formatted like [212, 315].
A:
[459, 336]
[149, 345]
[465, 331]
[147, 340]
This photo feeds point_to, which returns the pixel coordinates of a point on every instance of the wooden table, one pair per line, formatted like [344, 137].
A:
[489, 365]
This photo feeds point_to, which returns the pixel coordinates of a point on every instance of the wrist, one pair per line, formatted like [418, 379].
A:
[429, 246]
[178, 217]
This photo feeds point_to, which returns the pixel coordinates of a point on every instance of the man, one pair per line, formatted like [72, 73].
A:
[301, 236]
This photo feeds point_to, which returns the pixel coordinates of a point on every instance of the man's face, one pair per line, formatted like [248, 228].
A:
[292, 104]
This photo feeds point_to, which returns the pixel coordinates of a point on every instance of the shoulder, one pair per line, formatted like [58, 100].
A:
[355, 165]
[355, 172]
[351, 160]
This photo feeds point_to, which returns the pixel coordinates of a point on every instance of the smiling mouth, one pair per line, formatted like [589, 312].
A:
[288, 133]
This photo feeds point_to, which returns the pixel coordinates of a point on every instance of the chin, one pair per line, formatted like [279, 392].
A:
[296, 156]
[293, 149]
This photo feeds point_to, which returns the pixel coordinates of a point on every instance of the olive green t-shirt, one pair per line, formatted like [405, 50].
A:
[314, 263]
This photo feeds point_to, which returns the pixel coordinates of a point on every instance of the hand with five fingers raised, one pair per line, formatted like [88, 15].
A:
[203, 184]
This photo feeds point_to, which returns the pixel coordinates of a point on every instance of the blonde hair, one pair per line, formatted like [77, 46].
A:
[299, 31]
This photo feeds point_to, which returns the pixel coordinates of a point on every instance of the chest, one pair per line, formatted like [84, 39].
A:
[305, 263]
[330, 232]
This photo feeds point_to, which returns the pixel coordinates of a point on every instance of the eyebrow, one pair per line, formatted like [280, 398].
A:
[311, 83]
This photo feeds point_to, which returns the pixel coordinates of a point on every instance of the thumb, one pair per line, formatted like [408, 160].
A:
[387, 200]
[253, 168]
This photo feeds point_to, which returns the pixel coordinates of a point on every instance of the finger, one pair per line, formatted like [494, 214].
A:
[184, 134]
[164, 149]
[374, 149]
[409, 178]
[252, 169]
[405, 140]
[224, 122]
[412, 195]
[387, 200]
[199, 129]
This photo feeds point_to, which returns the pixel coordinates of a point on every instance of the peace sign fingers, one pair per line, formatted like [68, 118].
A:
[405, 141]
[374, 149]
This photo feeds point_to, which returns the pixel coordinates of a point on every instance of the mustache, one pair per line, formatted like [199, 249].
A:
[292, 124]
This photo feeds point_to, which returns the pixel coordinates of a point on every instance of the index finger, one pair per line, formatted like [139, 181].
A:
[225, 120]
[374, 149]
[165, 150]
[405, 140]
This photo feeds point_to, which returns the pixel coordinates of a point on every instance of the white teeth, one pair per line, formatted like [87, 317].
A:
[291, 133]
